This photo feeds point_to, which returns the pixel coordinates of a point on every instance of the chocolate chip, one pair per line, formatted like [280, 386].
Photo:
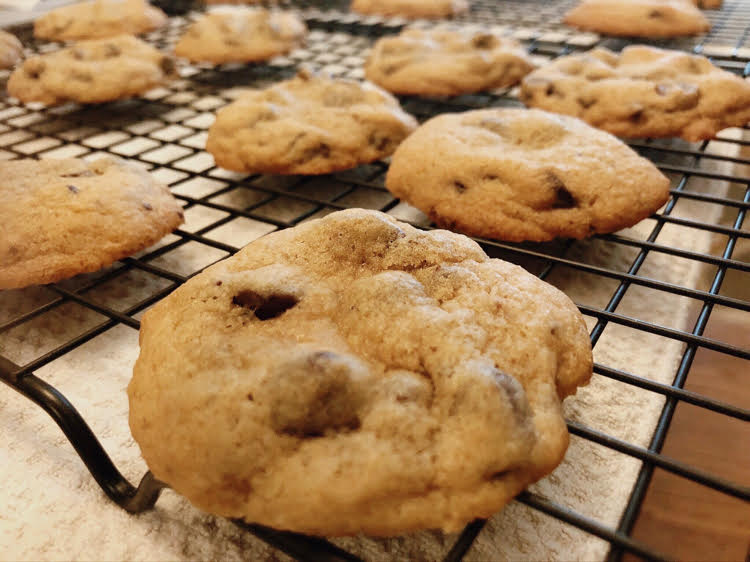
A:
[564, 199]
[694, 66]
[265, 307]
[219, 283]
[683, 96]
[320, 150]
[81, 76]
[586, 102]
[60, 27]
[395, 67]
[168, 66]
[550, 90]
[311, 395]
[484, 41]
[690, 96]
[82, 174]
[73, 189]
[515, 394]
[379, 142]
[34, 67]
[147, 206]
[460, 187]
[494, 125]
[656, 14]
[111, 50]
[637, 116]
[305, 73]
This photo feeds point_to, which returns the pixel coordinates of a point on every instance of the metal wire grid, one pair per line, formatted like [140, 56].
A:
[166, 131]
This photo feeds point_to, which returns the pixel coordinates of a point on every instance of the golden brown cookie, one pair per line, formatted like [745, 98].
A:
[708, 4]
[59, 218]
[241, 35]
[518, 174]
[642, 92]
[98, 19]
[411, 8]
[308, 125]
[94, 71]
[445, 63]
[354, 374]
[10, 49]
[638, 18]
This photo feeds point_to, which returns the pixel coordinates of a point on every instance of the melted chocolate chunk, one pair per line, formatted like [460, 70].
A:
[265, 307]
[564, 199]
[637, 116]
[310, 397]
[168, 65]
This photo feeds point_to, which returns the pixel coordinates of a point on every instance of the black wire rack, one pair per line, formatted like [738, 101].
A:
[165, 132]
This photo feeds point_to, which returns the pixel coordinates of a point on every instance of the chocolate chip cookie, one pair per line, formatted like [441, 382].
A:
[642, 92]
[356, 375]
[517, 174]
[639, 18]
[10, 49]
[411, 8]
[241, 35]
[445, 63]
[59, 218]
[98, 19]
[94, 71]
[308, 125]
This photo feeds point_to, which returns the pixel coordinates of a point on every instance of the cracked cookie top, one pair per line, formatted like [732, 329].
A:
[641, 92]
[308, 125]
[355, 374]
[520, 174]
[442, 63]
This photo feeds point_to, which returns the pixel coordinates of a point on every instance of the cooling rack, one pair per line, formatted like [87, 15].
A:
[165, 132]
